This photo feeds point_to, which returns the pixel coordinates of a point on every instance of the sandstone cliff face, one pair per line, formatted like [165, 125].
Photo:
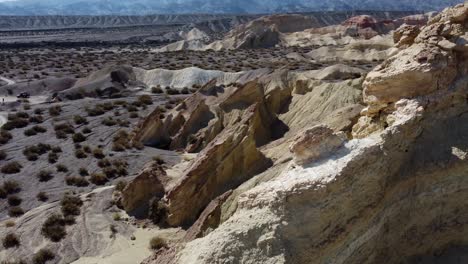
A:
[396, 195]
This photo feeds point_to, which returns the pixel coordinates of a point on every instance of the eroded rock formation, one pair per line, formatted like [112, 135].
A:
[396, 195]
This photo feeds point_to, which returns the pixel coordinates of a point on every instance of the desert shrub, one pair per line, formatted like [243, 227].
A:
[121, 141]
[98, 178]
[120, 186]
[87, 149]
[10, 240]
[33, 152]
[104, 163]
[97, 110]
[109, 121]
[86, 130]
[157, 90]
[3, 193]
[80, 120]
[138, 145]
[11, 167]
[10, 223]
[5, 136]
[56, 149]
[30, 132]
[52, 157]
[70, 205]
[54, 228]
[80, 154]
[116, 217]
[42, 196]
[145, 99]
[36, 119]
[42, 256]
[14, 200]
[83, 172]
[158, 160]
[123, 123]
[185, 90]
[157, 243]
[76, 181]
[39, 129]
[61, 168]
[131, 108]
[11, 187]
[16, 123]
[45, 175]
[38, 111]
[98, 153]
[78, 137]
[134, 115]
[63, 129]
[15, 211]
[55, 110]
[3, 154]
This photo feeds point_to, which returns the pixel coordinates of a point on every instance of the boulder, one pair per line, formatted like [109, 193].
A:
[315, 143]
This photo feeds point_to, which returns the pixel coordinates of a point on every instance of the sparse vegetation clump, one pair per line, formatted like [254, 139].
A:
[32, 153]
[10, 240]
[45, 175]
[83, 172]
[18, 120]
[77, 181]
[80, 154]
[120, 186]
[109, 121]
[11, 187]
[156, 90]
[11, 168]
[86, 130]
[43, 256]
[52, 157]
[55, 110]
[62, 168]
[62, 130]
[70, 205]
[145, 99]
[14, 200]
[42, 196]
[121, 141]
[78, 138]
[98, 178]
[79, 120]
[15, 211]
[5, 136]
[98, 153]
[3, 155]
[157, 243]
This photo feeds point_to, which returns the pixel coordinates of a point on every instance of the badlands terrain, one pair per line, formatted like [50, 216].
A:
[334, 137]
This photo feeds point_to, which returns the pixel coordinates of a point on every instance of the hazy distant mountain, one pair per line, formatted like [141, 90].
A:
[139, 7]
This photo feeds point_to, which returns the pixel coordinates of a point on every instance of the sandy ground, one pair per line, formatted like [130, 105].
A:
[8, 81]
[123, 250]
[3, 118]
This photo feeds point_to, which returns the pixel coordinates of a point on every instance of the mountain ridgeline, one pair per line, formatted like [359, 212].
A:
[142, 7]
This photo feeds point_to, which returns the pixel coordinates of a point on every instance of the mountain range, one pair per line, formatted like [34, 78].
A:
[144, 7]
